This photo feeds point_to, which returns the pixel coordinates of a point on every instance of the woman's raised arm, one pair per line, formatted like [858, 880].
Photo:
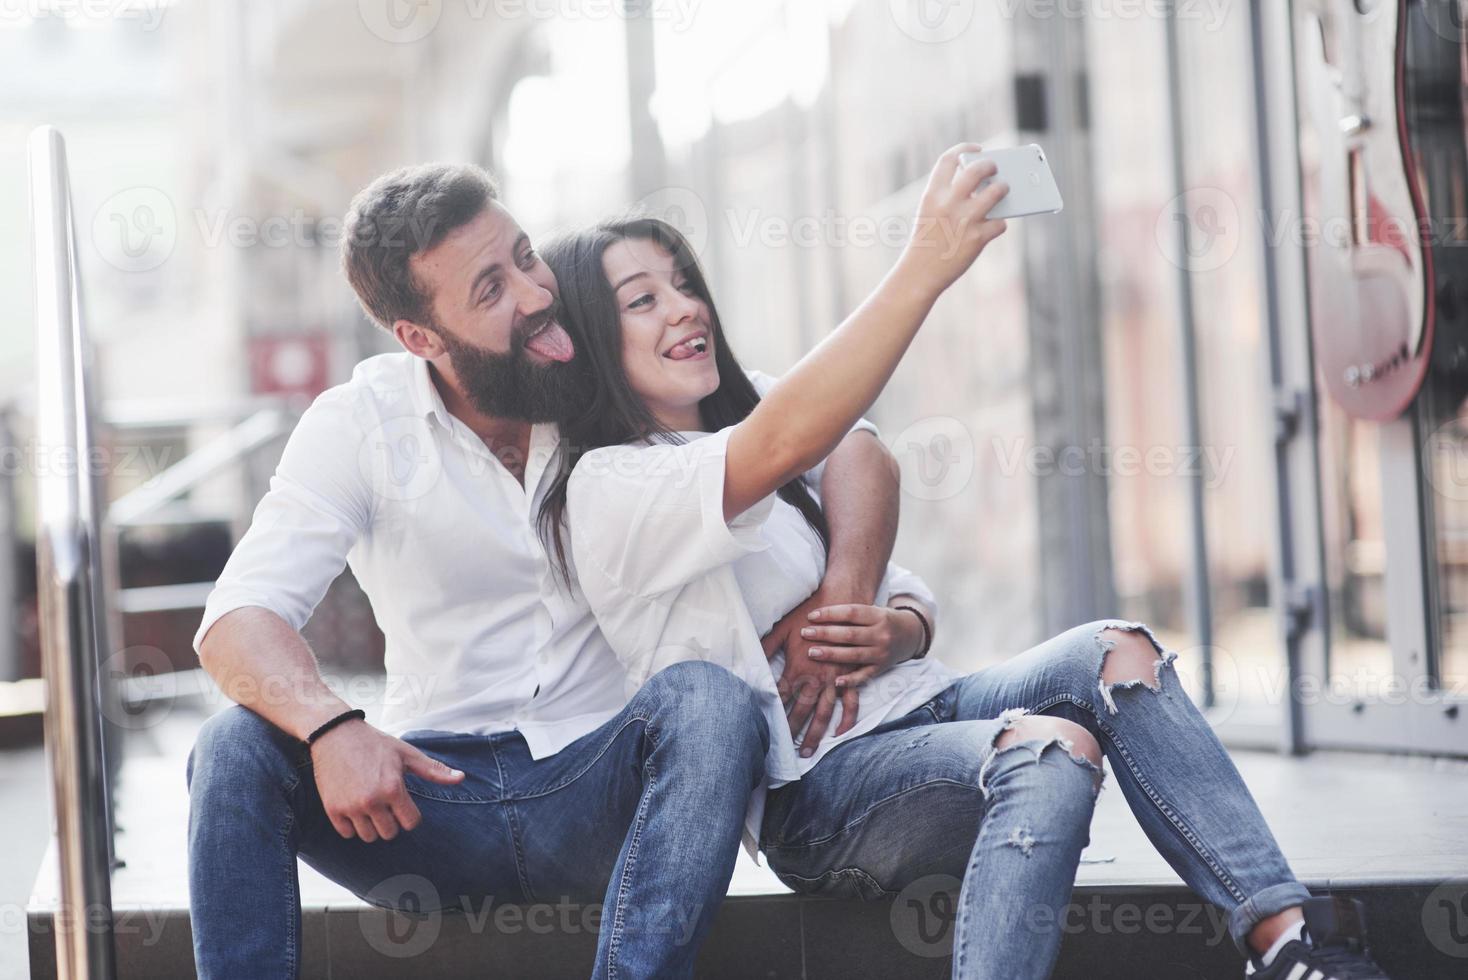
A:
[812, 407]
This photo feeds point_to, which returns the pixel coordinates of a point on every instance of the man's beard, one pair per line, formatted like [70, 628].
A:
[511, 385]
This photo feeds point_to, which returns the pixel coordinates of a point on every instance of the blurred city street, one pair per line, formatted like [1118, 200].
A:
[1221, 391]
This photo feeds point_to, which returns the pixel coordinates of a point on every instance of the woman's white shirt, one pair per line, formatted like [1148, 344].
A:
[670, 580]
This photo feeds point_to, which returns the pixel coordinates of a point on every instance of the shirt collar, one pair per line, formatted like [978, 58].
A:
[426, 399]
[545, 437]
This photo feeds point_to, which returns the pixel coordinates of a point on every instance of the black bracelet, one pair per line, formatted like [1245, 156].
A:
[328, 726]
[927, 631]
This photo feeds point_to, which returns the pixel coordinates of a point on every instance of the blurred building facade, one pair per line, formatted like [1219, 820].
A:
[1088, 424]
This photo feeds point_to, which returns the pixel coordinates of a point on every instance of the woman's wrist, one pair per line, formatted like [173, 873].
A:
[917, 626]
[911, 281]
[909, 631]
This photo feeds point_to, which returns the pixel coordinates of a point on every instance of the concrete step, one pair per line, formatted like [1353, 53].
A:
[1390, 831]
[1110, 934]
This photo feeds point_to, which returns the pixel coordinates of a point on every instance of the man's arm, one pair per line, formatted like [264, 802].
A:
[320, 502]
[264, 664]
[860, 496]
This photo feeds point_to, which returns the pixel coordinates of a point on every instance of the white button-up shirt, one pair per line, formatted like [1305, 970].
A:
[481, 636]
[669, 580]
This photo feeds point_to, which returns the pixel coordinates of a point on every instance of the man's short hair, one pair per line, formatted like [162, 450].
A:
[398, 215]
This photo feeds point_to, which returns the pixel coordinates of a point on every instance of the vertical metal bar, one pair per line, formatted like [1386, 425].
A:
[1062, 293]
[67, 539]
[9, 600]
[1276, 165]
[649, 170]
[1199, 602]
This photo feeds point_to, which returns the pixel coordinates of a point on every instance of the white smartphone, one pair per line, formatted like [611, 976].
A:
[1032, 187]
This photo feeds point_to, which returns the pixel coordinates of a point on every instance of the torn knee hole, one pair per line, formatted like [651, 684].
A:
[1130, 657]
[1080, 743]
[1022, 730]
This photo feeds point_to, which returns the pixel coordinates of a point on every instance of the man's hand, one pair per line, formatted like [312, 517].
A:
[808, 687]
[870, 639]
[359, 774]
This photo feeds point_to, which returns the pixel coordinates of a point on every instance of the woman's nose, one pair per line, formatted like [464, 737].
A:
[683, 307]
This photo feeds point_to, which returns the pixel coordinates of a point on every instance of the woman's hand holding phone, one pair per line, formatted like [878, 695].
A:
[952, 225]
[808, 411]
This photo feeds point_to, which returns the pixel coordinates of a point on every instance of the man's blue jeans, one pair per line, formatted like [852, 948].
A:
[646, 814]
[927, 797]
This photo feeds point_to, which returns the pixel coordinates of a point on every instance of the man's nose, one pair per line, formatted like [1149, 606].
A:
[530, 296]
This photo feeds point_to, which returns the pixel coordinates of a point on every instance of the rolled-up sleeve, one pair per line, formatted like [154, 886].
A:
[900, 581]
[648, 519]
[318, 506]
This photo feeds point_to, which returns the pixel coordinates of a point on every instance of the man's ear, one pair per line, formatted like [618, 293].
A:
[418, 339]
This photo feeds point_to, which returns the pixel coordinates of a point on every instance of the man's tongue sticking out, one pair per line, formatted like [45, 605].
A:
[552, 342]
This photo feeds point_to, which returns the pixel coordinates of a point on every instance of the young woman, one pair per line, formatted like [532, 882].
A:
[681, 516]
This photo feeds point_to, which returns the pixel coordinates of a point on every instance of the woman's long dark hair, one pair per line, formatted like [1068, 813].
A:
[615, 414]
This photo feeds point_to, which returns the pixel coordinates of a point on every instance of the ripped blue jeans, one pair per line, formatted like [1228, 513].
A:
[924, 802]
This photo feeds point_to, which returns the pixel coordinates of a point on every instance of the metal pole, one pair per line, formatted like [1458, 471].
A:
[649, 170]
[9, 598]
[67, 539]
[1199, 600]
[1298, 591]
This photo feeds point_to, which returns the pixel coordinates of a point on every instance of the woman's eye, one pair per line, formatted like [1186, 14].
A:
[641, 302]
[686, 288]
